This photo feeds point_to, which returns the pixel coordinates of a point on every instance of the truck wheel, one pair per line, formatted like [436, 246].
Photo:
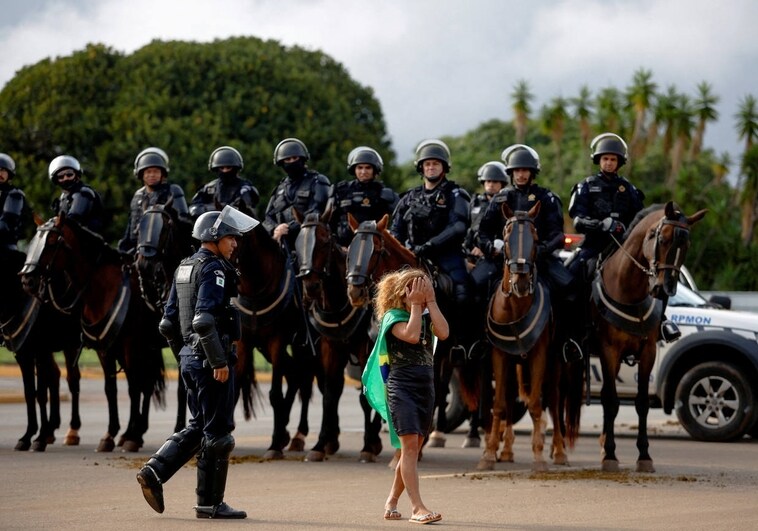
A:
[714, 402]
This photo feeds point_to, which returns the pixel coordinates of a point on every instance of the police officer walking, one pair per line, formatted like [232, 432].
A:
[304, 189]
[228, 188]
[77, 201]
[602, 207]
[200, 325]
[13, 205]
[365, 197]
[151, 169]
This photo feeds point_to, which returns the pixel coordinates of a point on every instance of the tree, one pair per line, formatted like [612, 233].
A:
[554, 119]
[721, 167]
[583, 112]
[747, 121]
[749, 194]
[666, 115]
[640, 96]
[705, 110]
[682, 123]
[521, 97]
[608, 107]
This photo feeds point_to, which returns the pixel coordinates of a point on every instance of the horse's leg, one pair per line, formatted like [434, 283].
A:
[305, 389]
[442, 373]
[537, 366]
[108, 363]
[333, 367]
[279, 437]
[555, 401]
[26, 364]
[509, 404]
[372, 425]
[642, 405]
[488, 459]
[73, 378]
[610, 401]
[48, 386]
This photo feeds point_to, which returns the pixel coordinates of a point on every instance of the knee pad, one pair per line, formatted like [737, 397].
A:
[220, 447]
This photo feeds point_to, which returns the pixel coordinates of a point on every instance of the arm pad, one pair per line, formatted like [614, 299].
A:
[205, 326]
[173, 338]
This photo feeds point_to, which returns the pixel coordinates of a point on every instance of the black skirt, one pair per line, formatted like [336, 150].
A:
[410, 397]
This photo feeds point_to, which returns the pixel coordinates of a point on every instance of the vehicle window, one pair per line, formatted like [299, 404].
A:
[686, 297]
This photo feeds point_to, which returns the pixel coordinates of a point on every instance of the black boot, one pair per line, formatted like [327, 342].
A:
[175, 452]
[670, 331]
[212, 468]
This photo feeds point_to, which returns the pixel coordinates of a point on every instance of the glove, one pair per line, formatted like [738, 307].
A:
[423, 249]
[612, 226]
[542, 251]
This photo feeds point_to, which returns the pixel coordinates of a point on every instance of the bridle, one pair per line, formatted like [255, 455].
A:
[152, 255]
[519, 236]
[362, 249]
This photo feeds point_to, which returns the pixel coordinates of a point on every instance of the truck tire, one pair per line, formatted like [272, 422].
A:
[714, 402]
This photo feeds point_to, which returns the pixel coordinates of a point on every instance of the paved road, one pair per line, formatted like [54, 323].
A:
[696, 486]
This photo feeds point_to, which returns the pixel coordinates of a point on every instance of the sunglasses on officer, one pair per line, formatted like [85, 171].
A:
[65, 175]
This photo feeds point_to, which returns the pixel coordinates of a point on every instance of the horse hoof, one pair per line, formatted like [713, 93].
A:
[273, 455]
[436, 440]
[106, 445]
[121, 441]
[50, 439]
[645, 465]
[471, 442]
[367, 457]
[331, 448]
[315, 456]
[610, 465]
[71, 440]
[39, 446]
[22, 445]
[376, 448]
[130, 446]
[485, 464]
[506, 458]
[539, 466]
[561, 460]
[297, 444]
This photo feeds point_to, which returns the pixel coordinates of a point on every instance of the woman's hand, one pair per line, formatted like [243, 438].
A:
[428, 287]
[415, 292]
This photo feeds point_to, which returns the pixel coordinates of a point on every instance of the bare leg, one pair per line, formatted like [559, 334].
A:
[410, 445]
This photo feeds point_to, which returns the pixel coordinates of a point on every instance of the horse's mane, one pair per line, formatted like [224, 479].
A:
[93, 239]
[644, 213]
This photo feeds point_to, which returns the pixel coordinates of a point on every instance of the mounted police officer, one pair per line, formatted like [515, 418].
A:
[228, 188]
[151, 169]
[200, 325]
[493, 177]
[77, 201]
[602, 207]
[365, 197]
[304, 189]
[13, 205]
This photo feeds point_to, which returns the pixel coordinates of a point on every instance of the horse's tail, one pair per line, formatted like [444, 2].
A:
[571, 396]
[247, 383]
[158, 370]
[470, 379]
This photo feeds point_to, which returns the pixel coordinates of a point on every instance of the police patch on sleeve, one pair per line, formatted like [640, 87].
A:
[219, 278]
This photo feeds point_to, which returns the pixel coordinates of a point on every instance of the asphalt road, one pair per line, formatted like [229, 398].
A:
[696, 485]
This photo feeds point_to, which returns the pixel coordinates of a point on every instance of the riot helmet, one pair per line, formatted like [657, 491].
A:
[492, 171]
[7, 163]
[152, 157]
[61, 162]
[364, 155]
[608, 144]
[214, 225]
[521, 156]
[290, 147]
[225, 156]
[433, 149]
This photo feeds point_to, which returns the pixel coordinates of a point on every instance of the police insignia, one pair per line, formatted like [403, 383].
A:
[220, 281]
[532, 197]
[441, 200]
[183, 274]
[622, 188]
[366, 201]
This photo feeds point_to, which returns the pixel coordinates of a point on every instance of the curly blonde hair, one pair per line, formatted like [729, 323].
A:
[390, 290]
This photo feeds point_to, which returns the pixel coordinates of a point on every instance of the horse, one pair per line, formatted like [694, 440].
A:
[343, 328]
[33, 332]
[626, 311]
[520, 328]
[162, 242]
[77, 272]
[272, 320]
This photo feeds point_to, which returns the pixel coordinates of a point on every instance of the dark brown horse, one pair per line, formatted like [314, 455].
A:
[342, 327]
[162, 242]
[33, 332]
[627, 311]
[77, 272]
[272, 322]
[520, 327]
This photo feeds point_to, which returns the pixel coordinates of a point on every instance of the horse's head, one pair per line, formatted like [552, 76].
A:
[665, 244]
[159, 251]
[520, 237]
[314, 247]
[363, 257]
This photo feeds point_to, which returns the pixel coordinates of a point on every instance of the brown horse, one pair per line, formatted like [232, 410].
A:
[342, 327]
[78, 273]
[520, 327]
[272, 321]
[33, 332]
[627, 311]
[162, 242]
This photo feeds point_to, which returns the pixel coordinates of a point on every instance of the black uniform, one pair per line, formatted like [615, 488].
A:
[596, 198]
[307, 193]
[222, 191]
[13, 207]
[81, 203]
[477, 208]
[364, 200]
[141, 201]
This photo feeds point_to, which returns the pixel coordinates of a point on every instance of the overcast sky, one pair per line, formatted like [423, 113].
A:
[438, 67]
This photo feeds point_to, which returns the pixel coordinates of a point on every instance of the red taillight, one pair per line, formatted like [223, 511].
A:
[571, 241]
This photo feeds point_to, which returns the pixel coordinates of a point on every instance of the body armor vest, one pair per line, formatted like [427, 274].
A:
[428, 214]
[142, 200]
[295, 193]
[187, 278]
[12, 206]
[83, 204]
[365, 201]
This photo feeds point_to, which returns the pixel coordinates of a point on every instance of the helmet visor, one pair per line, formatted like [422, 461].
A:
[235, 219]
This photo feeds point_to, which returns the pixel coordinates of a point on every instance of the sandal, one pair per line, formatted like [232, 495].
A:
[427, 518]
[392, 514]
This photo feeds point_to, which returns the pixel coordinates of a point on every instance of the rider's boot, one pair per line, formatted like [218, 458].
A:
[212, 468]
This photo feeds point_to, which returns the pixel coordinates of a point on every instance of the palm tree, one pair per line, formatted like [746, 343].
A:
[721, 167]
[582, 112]
[682, 123]
[521, 96]
[747, 121]
[640, 96]
[554, 123]
[705, 108]
[609, 108]
[749, 194]
[665, 115]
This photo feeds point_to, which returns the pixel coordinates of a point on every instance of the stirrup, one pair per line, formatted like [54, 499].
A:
[572, 351]
[670, 331]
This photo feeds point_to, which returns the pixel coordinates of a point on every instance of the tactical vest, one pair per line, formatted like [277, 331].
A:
[428, 213]
[611, 199]
[294, 193]
[187, 278]
[365, 201]
[12, 206]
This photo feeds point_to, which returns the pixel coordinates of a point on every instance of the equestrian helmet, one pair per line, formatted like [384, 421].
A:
[492, 171]
[433, 149]
[364, 155]
[7, 163]
[225, 156]
[609, 143]
[290, 147]
[61, 162]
